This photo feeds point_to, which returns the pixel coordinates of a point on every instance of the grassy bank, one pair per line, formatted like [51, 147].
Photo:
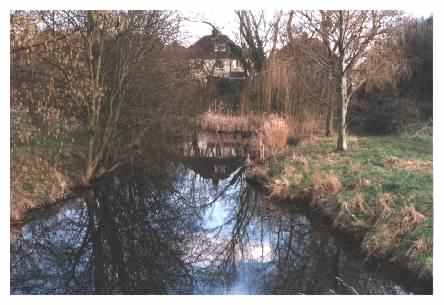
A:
[43, 168]
[380, 191]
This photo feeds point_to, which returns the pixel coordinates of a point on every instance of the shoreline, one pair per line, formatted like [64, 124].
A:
[328, 211]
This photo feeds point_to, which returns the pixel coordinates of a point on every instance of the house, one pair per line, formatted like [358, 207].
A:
[216, 56]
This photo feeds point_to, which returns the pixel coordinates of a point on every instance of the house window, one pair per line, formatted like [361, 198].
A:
[219, 65]
[220, 47]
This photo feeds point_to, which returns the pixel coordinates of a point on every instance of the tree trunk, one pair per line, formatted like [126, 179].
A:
[90, 173]
[332, 99]
[330, 119]
[342, 132]
[97, 246]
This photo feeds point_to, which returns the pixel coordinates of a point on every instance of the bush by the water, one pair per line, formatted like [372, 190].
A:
[381, 115]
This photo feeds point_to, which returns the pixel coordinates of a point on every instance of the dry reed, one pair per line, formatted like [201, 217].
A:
[274, 133]
[220, 122]
[327, 183]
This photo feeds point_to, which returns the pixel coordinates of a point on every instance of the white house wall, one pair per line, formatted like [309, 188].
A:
[229, 65]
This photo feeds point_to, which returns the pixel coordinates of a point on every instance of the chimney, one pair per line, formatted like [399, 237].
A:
[215, 32]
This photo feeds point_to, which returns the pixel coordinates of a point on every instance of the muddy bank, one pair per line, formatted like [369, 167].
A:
[405, 268]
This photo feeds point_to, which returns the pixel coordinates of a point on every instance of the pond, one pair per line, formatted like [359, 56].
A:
[191, 225]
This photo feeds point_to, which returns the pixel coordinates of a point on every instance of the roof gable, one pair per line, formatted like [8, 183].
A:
[205, 47]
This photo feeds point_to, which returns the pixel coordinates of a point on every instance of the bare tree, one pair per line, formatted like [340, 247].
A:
[256, 35]
[95, 65]
[347, 37]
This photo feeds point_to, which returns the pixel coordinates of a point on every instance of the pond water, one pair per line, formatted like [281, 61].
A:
[191, 226]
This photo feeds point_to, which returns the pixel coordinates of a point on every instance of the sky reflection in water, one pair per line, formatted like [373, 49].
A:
[184, 231]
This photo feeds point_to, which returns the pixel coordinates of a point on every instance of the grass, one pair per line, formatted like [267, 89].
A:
[381, 188]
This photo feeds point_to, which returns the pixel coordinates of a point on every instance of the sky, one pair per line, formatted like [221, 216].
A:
[225, 19]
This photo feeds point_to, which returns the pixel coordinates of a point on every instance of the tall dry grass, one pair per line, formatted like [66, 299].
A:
[271, 131]
[274, 133]
[326, 183]
[293, 86]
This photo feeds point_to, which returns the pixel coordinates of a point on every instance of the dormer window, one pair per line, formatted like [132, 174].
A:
[220, 47]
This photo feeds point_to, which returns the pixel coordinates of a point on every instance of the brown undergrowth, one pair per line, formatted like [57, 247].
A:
[34, 183]
[42, 169]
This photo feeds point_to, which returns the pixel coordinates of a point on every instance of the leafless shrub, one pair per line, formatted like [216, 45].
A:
[420, 129]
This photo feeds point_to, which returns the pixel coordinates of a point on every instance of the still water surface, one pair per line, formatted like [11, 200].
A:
[191, 227]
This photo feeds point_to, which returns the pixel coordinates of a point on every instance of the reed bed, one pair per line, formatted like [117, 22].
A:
[220, 122]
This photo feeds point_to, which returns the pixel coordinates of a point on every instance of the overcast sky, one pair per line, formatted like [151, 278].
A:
[225, 19]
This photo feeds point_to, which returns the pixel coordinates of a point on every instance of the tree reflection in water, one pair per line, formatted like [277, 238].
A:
[130, 236]
[178, 233]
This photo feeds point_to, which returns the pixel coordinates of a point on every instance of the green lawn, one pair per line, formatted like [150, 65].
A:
[382, 187]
